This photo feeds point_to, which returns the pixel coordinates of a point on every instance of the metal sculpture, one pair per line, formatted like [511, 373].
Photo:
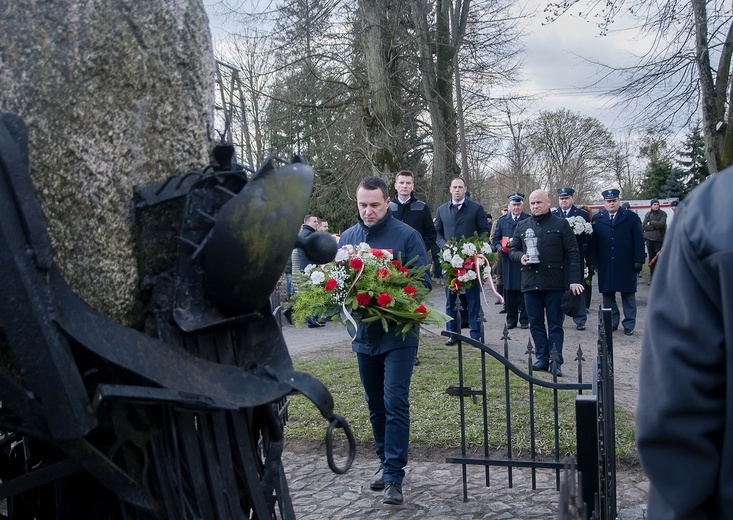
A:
[103, 421]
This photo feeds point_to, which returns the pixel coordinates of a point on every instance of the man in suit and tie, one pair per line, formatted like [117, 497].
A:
[566, 209]
[617, 249]
[511, 272]
[461, 217]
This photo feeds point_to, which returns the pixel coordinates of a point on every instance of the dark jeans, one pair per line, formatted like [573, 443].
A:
[386, 379]
[539, 304]
[628, 302]
[473, 298]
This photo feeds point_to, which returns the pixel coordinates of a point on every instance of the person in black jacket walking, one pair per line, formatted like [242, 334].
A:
[413, 212]
[543, 283]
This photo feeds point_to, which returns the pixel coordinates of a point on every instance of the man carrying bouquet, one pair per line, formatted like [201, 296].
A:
[386, 358]
[461, 218]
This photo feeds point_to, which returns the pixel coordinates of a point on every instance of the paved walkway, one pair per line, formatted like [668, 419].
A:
[433, 488]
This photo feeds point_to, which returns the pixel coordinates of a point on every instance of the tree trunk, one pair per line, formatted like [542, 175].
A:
[382, 110]
[114, 94]
[437, 84]
[713, 112]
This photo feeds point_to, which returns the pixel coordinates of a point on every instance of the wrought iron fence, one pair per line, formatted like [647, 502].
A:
[595, 421]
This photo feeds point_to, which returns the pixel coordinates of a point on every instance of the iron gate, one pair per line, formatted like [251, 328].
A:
[595, 420]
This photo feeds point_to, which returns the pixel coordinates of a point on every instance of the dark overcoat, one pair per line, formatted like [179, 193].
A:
[615, 248]
[511, 272]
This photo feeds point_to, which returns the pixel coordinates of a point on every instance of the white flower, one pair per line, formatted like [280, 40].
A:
[456, 261]
[387, 254]
[317, 277]
[470, 275]
[309, 268]
[363, 247]
[468, 249]
[486, 248]
[579, 226]
[342, 255]
[447, 255]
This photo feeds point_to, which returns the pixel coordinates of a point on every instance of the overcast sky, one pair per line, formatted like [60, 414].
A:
[553, 69]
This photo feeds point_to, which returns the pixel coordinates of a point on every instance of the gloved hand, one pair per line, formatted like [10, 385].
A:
[637, 267]
[591, 270]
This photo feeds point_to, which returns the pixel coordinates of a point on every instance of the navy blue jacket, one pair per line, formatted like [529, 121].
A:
[450, 223]
[388, 233]
[416, 214]
[511, 272]
[614, 249]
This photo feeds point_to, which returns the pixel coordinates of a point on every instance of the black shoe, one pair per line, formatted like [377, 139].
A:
[524, 326]
[580, 327]
[393, 494]
[451, 341]
[629, 332]
[288, 313]
[510, 326]
[377, 481]
[314, 324]
[503, 311]
[416, 361]
[540, 366]
[557, 371]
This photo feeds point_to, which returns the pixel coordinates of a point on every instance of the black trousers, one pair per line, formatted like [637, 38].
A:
[653, 247]
[515, 311]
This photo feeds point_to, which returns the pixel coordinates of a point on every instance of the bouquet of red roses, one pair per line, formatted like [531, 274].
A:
[370, 284]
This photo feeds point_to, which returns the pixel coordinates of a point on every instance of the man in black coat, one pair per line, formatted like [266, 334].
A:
[566, 209]
[461, 217]
[617, 248]
[413, 212]
[543, 278]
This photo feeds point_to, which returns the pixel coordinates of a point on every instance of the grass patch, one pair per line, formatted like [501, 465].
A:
[435, 415]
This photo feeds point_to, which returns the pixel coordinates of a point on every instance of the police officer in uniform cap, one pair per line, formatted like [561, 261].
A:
[567, 209]
[617, 249]
[511, 272]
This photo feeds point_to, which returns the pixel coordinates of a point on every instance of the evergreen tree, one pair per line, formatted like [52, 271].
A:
[658, 169]
[673, 187]
[692, 159]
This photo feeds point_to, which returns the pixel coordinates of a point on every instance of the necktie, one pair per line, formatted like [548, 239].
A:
[457, 206]
[515, 219]
[566, 214]
[612, 216]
